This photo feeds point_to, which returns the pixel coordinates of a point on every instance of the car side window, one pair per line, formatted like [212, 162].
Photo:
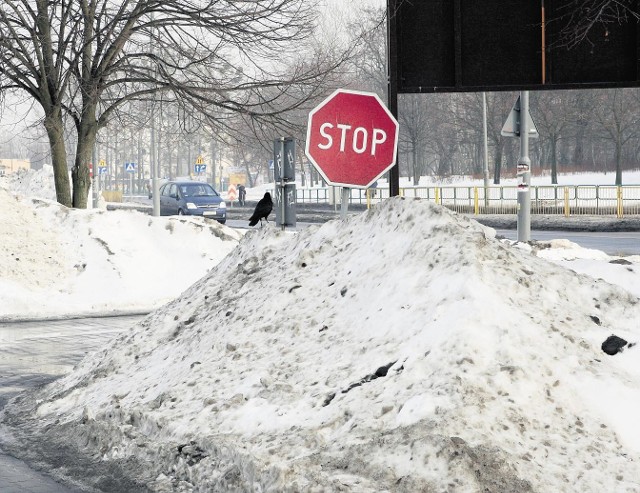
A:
[208, 190]
[174, 190]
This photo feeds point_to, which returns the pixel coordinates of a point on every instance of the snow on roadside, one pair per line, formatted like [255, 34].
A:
[622, 271]
[31, 183]
[57, 262]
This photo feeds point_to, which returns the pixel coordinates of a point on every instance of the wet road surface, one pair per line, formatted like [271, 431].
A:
[34, 353]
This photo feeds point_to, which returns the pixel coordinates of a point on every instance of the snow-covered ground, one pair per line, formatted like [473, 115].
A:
[403, 349]
[55, 261]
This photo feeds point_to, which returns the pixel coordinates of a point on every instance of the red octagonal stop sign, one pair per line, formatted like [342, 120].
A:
[352, 138]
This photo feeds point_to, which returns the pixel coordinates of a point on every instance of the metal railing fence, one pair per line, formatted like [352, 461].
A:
[567, 200]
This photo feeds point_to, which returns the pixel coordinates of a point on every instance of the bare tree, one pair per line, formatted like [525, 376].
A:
[552, 113]
[369, 59]
[619, 121]
[416, 124]
[30, 60]
[577, 18]
[499, 105]
[88, 58]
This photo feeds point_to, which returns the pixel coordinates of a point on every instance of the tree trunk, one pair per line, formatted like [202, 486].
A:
[212, 151]
[497, 164]
[416, 168]
[578, 152]
[80, 173]
[554, 162]
[618, 162]
[55, 132]
[247, 170]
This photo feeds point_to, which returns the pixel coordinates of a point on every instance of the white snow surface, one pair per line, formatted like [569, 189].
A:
[56, 261]
[403, 349]
[31, 183]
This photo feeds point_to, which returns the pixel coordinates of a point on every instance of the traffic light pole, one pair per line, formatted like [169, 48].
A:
[524, 172]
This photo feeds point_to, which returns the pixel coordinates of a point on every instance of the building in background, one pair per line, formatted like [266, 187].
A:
[8, 166]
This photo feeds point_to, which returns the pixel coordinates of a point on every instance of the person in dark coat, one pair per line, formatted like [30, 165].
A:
[242, 194]
[262, 210]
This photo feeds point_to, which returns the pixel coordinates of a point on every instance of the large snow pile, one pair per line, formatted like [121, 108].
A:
[402, 350]
[56, 261]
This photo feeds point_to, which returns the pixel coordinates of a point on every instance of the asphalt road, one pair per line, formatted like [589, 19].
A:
[612, 242]
[35, 353]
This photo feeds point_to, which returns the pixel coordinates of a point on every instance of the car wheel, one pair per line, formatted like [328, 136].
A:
[180, 213]
[222, 221]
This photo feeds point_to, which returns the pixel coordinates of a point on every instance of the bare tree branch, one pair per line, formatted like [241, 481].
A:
[89, 59]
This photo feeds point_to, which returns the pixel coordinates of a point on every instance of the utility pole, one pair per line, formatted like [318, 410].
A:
[392, 87]
[520, 124]
[524, 172]
[155, 184]
[486, 149]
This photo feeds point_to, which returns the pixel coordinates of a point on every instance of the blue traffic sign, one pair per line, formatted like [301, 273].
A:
[200, 168]
[102, 170]
[130, 167]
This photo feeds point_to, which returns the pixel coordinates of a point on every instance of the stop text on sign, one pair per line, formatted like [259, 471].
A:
[359, 138]
[352, 138]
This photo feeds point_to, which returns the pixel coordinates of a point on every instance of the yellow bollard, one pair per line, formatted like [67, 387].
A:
[620, 207]
[566, 201]
[437, 195]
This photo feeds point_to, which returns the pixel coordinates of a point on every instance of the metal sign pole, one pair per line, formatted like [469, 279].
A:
[284, 175]
[392, 85]
[524, 172]
[153, 162]
[282, 185]
[344, 202]
[485, 149]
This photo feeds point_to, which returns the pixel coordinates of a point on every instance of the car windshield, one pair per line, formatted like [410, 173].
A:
[198, 190]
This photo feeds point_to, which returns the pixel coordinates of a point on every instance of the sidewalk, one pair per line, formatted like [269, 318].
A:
[17, 477]
[561, 223]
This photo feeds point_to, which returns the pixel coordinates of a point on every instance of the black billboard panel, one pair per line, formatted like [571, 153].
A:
[491, 34]
[607, 53]
[471, 45]
[426, 39]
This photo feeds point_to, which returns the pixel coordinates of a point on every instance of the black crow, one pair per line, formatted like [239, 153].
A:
[263, 209]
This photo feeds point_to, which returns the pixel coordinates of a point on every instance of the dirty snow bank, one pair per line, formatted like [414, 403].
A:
[401, 350]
